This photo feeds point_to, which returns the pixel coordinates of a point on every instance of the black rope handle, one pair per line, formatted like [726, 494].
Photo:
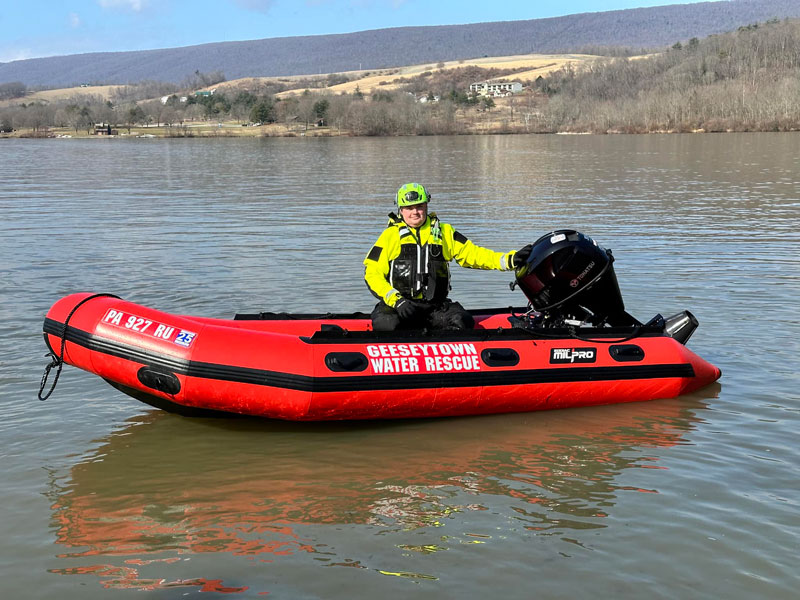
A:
[573, 333]
[58, 361]
[636, 331]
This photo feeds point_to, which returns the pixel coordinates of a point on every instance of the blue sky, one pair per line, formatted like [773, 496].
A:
[35, 28]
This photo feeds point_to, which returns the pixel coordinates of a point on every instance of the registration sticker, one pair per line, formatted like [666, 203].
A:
[185, 338]
[149, 327]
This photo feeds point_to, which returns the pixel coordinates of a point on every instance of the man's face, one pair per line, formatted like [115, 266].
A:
[415, 215]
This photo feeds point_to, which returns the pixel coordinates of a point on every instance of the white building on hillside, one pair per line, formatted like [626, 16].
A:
[494, 88]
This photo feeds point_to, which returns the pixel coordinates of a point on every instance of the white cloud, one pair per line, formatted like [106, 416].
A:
[262, 6]
[134, 5]
[74, 20]
[9, 55]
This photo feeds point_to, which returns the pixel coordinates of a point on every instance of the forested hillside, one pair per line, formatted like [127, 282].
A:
[748, 80]
[656, 27]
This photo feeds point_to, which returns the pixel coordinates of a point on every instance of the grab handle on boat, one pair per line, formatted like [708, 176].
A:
[346, 361]
[500, 357]
[162, 381]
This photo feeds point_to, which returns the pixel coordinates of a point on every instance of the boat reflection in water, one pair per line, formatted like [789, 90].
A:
[164, 489]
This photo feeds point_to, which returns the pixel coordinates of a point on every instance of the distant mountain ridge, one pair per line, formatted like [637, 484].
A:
[379, 48]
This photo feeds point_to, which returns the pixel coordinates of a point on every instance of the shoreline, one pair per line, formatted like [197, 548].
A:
[51, 136]
[329, 133]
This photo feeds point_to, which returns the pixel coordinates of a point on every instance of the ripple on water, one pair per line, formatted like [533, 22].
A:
[691, 497]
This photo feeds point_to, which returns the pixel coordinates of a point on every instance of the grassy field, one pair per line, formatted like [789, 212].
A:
[499, 118]
[199, 129]
[104, 91]
[389, 79]
[366, 81]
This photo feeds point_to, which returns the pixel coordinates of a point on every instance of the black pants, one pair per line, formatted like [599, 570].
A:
[447, 315]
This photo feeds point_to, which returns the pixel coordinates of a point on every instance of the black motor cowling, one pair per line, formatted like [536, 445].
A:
[568, 277]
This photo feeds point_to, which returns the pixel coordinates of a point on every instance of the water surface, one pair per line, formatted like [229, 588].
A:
[690, 497]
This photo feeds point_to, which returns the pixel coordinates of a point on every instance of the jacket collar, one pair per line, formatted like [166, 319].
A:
[396, 221]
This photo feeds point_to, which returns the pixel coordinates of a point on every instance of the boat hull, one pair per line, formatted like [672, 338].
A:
[318, 367]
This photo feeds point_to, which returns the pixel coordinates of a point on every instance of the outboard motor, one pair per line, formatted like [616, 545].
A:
[570, 280]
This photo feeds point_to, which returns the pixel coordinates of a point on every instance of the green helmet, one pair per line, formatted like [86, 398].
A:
[411, 194]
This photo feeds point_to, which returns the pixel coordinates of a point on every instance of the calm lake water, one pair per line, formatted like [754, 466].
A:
[695, 497]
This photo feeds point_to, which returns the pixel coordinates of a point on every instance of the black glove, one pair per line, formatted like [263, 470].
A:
[406, 309]
[521, 256]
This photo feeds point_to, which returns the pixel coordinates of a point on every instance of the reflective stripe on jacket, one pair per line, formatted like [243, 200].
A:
[413, 262]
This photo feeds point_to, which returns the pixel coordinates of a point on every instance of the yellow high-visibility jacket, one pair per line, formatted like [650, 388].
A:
[413, 262]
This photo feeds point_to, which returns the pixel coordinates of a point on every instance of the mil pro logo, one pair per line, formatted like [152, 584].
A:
[572, 355]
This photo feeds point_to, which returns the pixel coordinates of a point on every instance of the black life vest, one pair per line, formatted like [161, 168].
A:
[421, 268]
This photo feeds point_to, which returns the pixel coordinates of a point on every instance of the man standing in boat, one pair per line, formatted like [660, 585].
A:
[407, 268]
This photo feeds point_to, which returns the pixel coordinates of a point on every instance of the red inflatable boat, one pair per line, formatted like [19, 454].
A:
[326, 367]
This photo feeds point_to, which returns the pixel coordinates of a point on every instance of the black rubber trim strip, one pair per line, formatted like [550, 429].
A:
[284, 316]
[307, 383]
[343, 336]
[179, 365]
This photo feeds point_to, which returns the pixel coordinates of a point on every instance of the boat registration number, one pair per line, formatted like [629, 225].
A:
[149, 327]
